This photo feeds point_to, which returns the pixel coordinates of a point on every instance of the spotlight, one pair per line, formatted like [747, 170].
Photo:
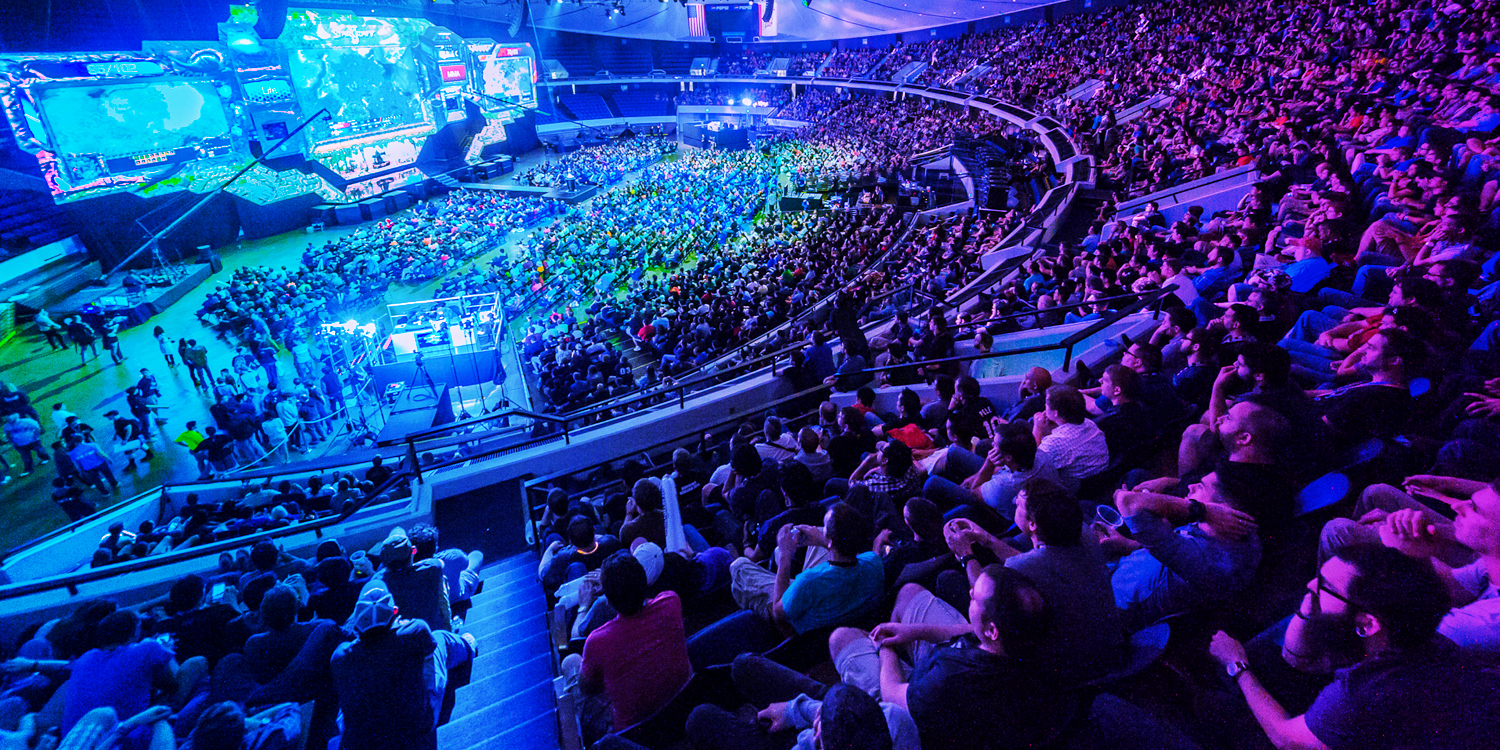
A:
[745, 101]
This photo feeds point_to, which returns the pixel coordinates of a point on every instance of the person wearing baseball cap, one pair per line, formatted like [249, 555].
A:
[418, 587]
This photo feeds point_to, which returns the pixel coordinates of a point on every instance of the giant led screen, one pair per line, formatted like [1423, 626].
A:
[364, 71]
[503, 74]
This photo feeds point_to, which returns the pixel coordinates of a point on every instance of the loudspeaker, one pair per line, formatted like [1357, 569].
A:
[271, 19]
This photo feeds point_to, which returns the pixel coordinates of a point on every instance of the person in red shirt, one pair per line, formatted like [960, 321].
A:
[638, 661]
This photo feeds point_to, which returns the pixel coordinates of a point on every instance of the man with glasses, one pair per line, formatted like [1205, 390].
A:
[1410, 688]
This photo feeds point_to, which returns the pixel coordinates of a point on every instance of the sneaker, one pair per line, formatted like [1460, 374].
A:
[7, 480]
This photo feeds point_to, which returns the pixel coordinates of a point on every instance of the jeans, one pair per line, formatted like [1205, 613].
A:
[1313, 323]
[947, 494]
[739, 633]
[1340, 298]
[961, 463]
[761, 682]
[1309, 355]
[27, 450]
[1371, 282]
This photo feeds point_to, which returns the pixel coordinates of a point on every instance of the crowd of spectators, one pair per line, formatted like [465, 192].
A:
[735, 96]
[604, 164]
[854, 63]
[745, 63]
[971, 564]
[804, 63]
[269, 651]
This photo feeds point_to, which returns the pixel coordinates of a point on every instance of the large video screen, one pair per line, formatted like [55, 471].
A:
[150, 120]
[363, 70]
[504, 72]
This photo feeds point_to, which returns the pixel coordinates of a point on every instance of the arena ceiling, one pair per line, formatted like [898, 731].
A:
[791, 20]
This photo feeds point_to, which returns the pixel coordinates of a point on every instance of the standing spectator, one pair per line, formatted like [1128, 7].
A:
[50, 329]
[93, 464]
[167, 346]
[82, 337]
[26, 436]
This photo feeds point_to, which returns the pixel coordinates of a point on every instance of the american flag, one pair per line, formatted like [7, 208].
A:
[697, 22]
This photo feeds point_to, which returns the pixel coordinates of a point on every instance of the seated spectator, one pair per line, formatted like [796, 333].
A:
[1167, 570]
[1013, 459]
[643, 515]
[812, 455]
[1413, 688]
[391, 679]
[196, 625]
[1127, 424]
[585, 551]
[418, 586]
[1087, 638]
[992, 670]
[776, 445]
[841, 579]
[460, 569]
[1063, 431]
[122, 672]
[638, 661]
[822, 718]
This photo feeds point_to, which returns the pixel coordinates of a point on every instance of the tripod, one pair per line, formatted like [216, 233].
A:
[421, 376]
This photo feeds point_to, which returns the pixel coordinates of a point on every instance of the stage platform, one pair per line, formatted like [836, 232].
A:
[113, 299]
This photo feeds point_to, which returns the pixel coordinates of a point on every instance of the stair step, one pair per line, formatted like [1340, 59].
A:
[514, 562]
[519, 605]
[479, 694]
[539, 733]
[516, 711]
[512, 626]
[495, 630]
[523, 575]
[508, 654]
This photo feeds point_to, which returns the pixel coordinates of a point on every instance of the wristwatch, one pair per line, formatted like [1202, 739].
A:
[963, 562]
[1236, 669]
[1196, 511]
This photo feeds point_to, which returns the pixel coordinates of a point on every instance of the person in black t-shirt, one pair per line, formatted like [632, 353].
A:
[1378, 407]
[377, 473]
[985, 691]
[969, 407]
[1127, 425]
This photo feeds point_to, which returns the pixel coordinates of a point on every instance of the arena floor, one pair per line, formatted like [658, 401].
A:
[89, 390]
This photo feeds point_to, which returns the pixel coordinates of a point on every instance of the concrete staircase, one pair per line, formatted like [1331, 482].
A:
[508, 702]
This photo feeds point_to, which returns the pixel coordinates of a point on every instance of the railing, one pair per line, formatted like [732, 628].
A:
[1146, 300]
[1050, 310]
[71, 581]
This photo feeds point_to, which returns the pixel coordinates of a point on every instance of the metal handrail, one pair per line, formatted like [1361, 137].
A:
[1060, 308]
[1068, 343]
[71, 580]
